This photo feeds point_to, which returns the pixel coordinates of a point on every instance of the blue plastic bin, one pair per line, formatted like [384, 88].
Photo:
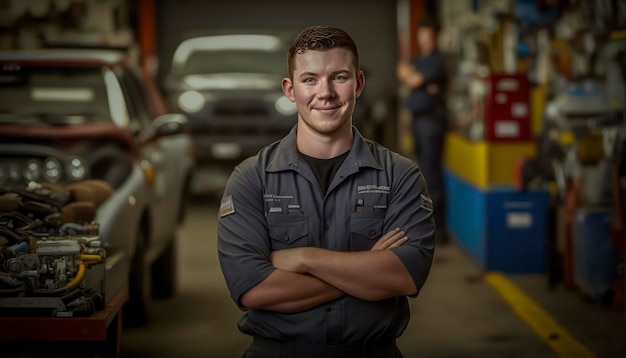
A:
[502, 228]
[595, 257]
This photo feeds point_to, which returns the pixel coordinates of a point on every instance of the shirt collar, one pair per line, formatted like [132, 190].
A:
[287, 158]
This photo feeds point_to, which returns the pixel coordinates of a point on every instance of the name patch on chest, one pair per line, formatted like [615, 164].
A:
[372, 189]
[276, 198]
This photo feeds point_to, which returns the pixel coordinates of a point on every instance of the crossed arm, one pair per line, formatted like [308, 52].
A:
[408, 75]
[411, 77]
[307, 277]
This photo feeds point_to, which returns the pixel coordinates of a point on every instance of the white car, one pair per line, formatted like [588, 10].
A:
[68, 116]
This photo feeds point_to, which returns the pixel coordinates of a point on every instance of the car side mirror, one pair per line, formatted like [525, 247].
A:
[169, 124]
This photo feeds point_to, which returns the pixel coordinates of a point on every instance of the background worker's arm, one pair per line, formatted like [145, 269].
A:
[408, 75]
[289, 291]
[413, 78]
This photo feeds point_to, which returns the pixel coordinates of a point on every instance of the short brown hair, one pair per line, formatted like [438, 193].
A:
[430, 23]
[320, 37]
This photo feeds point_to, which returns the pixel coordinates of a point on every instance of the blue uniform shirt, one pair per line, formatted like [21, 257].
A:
[273, 201]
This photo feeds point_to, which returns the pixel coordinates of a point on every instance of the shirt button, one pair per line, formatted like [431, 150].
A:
[372, 232]
[326, 226]
[286, 238]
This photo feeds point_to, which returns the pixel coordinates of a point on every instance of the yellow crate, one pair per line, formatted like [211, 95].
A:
[538, 104]
[482, 163]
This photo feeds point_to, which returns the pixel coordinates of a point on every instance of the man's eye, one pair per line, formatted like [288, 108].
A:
[340, 78]
[308, 80]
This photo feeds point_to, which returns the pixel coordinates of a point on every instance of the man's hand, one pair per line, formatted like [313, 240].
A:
[408, 75]
[404, 70]
[393, 238]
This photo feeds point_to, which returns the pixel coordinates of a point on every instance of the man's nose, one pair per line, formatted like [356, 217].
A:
[326, 89]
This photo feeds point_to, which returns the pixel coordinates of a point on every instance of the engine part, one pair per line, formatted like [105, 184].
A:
[45, 263]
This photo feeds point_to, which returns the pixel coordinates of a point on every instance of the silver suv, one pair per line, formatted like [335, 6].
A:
[229, 87]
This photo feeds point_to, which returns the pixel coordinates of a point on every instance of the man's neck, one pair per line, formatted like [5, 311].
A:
[425, 53]
[323, 146]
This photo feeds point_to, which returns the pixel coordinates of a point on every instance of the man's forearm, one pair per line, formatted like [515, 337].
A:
[289, 292]
[409, 75]
[368, 275]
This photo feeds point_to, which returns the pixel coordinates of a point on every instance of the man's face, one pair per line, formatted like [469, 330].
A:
[426, 40]
[325, 87]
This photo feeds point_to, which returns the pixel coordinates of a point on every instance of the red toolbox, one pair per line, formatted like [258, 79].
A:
[507, 107]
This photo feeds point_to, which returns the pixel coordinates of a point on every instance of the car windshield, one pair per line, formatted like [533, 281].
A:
[53, 95]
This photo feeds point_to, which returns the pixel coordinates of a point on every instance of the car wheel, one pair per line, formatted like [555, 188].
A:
[135, 310]
[164, 272]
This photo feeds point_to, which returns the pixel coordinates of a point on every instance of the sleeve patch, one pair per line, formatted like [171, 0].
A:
[227, 206]
[427, 203]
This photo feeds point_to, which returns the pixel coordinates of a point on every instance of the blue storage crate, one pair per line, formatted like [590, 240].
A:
[595, 256]
[502, 228]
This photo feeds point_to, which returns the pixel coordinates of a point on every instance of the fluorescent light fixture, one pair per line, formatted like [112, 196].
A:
[62, 94]
[256, 42]
[231, 81]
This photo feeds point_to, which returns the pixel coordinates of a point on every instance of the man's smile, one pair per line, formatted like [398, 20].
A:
[327, 109]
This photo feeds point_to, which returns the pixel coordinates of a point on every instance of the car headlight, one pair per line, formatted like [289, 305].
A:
[7, 172]
[191, 101]
[52, 170]
[33, 170]
[13, 171]
[284, 106]
[76, 168]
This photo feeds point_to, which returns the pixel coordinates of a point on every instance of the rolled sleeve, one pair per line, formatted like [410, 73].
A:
[242, 239]
[412, 212]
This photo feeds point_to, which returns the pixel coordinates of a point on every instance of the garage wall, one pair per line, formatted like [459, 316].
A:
[372, 24]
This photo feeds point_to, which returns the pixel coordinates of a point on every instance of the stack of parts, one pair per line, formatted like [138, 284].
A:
[51, 255]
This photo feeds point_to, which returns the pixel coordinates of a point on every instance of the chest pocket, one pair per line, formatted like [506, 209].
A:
[287, 231]
[365, 229]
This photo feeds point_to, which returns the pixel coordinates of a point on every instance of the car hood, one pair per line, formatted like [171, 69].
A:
[66, 134]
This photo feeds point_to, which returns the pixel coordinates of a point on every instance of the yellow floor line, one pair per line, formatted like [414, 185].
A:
[540, 321]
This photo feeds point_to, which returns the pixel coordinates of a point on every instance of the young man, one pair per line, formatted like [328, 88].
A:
[323, 235]
[425, 74]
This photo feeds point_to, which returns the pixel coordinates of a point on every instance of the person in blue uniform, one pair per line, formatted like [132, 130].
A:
[425, 75]
[324, 235]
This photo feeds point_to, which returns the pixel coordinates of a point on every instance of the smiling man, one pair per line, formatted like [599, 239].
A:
[324, 235]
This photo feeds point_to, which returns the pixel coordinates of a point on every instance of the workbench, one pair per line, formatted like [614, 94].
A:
[97, 335]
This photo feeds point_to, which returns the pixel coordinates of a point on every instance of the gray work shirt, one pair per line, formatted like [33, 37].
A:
[273, 201]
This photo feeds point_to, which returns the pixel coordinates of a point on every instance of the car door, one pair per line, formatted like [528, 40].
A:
[168, 155]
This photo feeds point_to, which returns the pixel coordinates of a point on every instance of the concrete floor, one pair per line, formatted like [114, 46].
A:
[457, 314]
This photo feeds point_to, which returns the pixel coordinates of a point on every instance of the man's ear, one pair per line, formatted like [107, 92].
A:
[288, 89]
[360, 82]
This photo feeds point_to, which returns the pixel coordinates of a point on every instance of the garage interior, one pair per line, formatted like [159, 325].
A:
[534, 159]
